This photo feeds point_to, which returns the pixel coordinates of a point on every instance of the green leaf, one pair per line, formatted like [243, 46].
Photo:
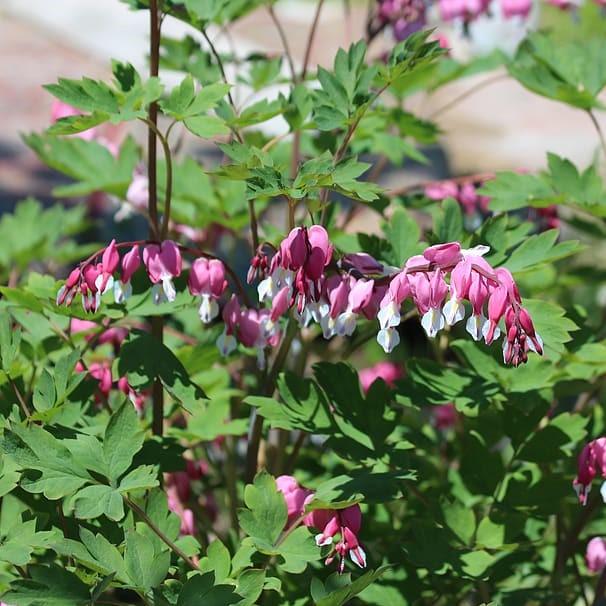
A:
[217, 561]
[143, 358]
[123, 440]
[551, 324]
[344, 594]
[44, 392]
[94, 501]
[201, 589]
[207, 126]
[90, 164]
[36, 449]
[557, 440]
[143, 477]
[48, 585]
[10, 340]
[146, 566]
[266, 515]
[571, 72]
[103, 552]
[541, 248]
[361, 485]
[250, 586]
[180, 99]
[303, 405]
[449, 223]
[403, 234]
[297, 550]
[460, 519]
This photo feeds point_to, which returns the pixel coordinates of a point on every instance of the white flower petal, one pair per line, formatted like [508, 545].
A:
[388, 339]
[346, 324]
[208, 309]
[454, 311]
[475, 325]
[321, 540]
[358, 556]
[226, 343]
[433, 321]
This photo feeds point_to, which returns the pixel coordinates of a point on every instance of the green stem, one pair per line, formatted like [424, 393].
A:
[157, 330]
[598, 129]
[256, 430]
[145, 518]
[284, 40]
[152, 117]
[310, 39]
[343, 147]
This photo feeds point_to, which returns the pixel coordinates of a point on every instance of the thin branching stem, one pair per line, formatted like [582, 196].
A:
[598, 129]
[170, 544]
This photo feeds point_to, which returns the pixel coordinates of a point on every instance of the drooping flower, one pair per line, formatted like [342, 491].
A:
[343, 522]
[591, 463]
[516, 8]
[595, 555]
[207, 280]
[163, 263]
[251, 327]
[130, 263]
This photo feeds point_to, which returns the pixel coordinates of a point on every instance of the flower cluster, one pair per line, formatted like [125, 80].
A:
[405, 16]
[303, 275]
[342, 525]
[249, 326]
[591, 463]
[360, 286]
[466, 194]
[163, 262]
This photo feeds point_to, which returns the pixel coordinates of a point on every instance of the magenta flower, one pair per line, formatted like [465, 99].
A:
[595, 555]
[163, 263]
[445, 416]
[207, 279]
[343, 522]
[591, 463]
[130, 263]
[252, 327]
[296, 497]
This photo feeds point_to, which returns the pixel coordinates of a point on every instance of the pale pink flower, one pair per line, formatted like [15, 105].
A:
[296, 497]
[130, 263]
[390, 372]
[163, 263]
[207, 280]
[595, 556]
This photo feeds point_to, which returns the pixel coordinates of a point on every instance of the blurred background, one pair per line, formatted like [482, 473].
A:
[499, 126]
